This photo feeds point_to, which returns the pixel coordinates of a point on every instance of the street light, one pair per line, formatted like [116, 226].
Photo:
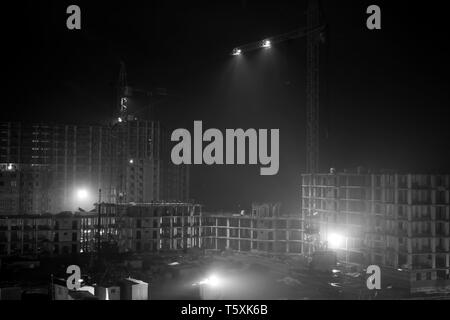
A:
[266, 44]
[236, 52]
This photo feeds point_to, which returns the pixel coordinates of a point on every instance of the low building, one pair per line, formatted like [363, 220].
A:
[132, 289]
[10, 293]
[108, 293]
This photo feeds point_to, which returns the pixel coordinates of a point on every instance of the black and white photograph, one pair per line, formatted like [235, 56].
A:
[228, 156]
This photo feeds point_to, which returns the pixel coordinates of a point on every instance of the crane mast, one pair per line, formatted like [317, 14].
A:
[312, 88]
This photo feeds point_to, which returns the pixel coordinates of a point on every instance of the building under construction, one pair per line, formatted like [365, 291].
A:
[44, 167]
[140, 228]
[396, 221]
[264, 230]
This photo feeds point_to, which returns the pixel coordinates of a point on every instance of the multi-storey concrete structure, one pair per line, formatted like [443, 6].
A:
[40, 235]
[149, 228]
[23, 188]
[264, 230]
[133, 228]
[155, 226]
[43, 167]
[49, 162]
[398, 221]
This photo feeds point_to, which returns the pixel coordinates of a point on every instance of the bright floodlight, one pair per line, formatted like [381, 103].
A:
[212, 281]
[335, 240]
[131, 161]
[236, 52]
[82, 194]
[266, 44]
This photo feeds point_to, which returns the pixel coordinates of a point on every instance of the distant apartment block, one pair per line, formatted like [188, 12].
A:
[397, 221]
[43, 166]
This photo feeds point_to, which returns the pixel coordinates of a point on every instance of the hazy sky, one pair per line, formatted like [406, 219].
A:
[385, 98]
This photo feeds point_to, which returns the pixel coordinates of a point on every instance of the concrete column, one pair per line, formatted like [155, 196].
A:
[396, 191]
[228, 233]
[409, 192]
[409, 259]
[21, 238]
[216, 238]
[35, 237]
[171, 238]
[239, 235]
[200, 229]
[8, 236]
[287, 237]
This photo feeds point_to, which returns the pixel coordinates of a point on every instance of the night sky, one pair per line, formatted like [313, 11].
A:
[385, 102]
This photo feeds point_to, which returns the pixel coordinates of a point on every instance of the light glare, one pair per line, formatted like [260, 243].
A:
[266, 44]
[335, 240]
[237, 52]
[212, 281]
[82, 194]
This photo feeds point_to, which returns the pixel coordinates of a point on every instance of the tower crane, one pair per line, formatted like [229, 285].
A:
[314, 33]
